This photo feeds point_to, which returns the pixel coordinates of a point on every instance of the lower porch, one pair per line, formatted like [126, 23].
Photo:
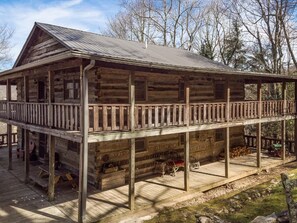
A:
[154, 192]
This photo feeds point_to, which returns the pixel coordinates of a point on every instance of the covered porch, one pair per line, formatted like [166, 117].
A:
[155, 192]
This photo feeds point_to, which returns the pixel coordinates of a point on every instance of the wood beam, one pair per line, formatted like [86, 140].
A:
[187, 100]
[132, 175]
[9, 145]
[8, 98]
[227, 153]
[132, 142]
[27, 154]
[258, 126]
[187, 161]
[283, 122]
[50, 98]
[227, 135]
[51, 179]
[259, 145]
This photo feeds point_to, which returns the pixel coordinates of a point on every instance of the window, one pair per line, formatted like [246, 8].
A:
[181, 139]
[219, 90]
[71, 89]
[74, 146]
[219, 135]
[140, 145]
[181, 91]
[41, 91]
[140, 90]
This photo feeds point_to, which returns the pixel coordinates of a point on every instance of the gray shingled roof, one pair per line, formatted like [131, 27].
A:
[98, 45]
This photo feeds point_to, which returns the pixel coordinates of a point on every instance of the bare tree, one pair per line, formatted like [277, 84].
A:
[5, 37]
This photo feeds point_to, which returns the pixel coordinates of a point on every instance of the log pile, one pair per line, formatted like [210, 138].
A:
[239, 151]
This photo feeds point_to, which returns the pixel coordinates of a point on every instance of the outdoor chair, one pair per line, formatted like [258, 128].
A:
[174, 162]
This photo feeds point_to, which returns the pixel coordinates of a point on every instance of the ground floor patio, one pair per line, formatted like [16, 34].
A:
[21, 202]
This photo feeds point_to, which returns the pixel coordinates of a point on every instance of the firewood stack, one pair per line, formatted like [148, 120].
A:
[239, 151]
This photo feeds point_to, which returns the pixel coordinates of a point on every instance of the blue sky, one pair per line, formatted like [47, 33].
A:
[88, 15]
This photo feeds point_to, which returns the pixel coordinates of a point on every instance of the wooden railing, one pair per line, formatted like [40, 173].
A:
[116, 117]
[3, 139]
[201, 113]
[267, 142]
[109, 117]
[66, 116]
[159, 115]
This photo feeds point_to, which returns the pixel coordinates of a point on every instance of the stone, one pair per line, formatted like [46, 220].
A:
[204, 219]
[263, 219]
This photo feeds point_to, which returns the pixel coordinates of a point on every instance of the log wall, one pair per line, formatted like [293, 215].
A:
[203, 147]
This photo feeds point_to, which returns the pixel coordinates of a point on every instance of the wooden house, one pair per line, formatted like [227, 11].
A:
[113, 108]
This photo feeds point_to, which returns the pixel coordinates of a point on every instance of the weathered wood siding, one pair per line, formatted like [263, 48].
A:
[111, 86]
[41, 45]
[203, 147]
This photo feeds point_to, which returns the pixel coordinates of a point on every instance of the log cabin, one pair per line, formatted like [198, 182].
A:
[113, 109]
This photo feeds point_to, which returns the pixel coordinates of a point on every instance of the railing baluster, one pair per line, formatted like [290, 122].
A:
[143, 114]
[150, 116]
[156, 116]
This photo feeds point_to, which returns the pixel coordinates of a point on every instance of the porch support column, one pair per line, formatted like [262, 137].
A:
[9, 145]
[50, 98]
[227, 135]
[84, 129]
[258, 125]
[187, 139]
[295, 122]
[132, 142]
[27, 154]
[8, 99]
[283, 135]
[186, 160]
[51, 179]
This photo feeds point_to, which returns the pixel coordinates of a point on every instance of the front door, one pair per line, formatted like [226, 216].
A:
[42, 145]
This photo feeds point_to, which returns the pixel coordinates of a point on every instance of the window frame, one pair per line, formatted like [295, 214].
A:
[76, 91]
[145, 147]
[145, 93]
[219, 135]
[181, 90]
[219, 94]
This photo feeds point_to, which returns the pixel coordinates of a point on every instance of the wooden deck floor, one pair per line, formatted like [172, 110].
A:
[27, 203]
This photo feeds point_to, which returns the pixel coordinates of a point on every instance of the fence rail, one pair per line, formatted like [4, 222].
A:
[116, 117]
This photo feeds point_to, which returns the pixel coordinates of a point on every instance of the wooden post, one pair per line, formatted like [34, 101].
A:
[27, 154]
[50, 98]
[8, 98]
[26, 99]
[84, 128]
[259, 126]
[9, 145]
[283, 135]
[187, 100]
[51, 179]
[227, 135]
[187, 139]
[187, 161]
[227, 152]
[132, 142]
